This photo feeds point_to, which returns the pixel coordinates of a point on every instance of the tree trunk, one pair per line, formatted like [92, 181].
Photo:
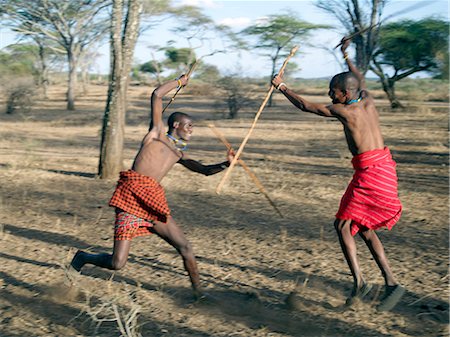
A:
[388, 84]
[122, 49]
[72, 82]
[389, 88]
[43, 76]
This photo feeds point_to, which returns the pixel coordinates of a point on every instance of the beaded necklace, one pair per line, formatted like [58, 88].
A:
[179, 144]
[354, 101]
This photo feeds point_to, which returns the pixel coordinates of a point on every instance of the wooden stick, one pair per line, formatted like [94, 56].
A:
[355, 34]
[244, 142]
[189, 73]
[246, 168]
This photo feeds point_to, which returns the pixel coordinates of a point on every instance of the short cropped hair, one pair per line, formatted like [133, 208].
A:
[176, 116]
[345, 81]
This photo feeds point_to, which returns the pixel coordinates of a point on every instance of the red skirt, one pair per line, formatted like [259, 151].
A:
[371, 199]
[129, 226]
[141, 196]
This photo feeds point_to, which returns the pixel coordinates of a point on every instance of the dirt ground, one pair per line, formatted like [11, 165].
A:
[270, 275]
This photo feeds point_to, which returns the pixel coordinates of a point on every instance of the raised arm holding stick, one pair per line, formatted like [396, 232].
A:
[139, 199]
[247, 137]
[371, 200]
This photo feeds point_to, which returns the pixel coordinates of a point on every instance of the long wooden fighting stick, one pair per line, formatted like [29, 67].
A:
[355, 34]
[189, 73]
[246, 168]
[244, 142]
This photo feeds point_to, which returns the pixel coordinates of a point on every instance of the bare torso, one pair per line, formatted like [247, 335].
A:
[361, 125]
[156, 156]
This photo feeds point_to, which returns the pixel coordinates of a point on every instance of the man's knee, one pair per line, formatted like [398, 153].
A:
[185, 249]
[367, 234]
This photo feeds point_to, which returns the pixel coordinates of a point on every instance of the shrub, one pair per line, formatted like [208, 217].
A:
[19, 96]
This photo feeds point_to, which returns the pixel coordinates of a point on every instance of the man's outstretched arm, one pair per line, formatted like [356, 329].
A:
[298, 101]
[206, 170]
[156, 100]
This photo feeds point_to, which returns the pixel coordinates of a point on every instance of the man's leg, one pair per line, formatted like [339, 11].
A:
[173, 235]
[376, 248]
[394, 291]
[348, 245]
[114, 261]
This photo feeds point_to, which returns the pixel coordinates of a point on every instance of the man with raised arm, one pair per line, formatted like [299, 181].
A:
[139, 199]
[371, 199]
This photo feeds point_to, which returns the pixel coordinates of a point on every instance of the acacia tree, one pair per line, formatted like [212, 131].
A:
[125, 21]
[178, 58]
[40, 57]
[277, 35]
[359, 18]
[407, 47]
[72, 25]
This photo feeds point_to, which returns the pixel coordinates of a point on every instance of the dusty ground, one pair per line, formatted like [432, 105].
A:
[251, 259]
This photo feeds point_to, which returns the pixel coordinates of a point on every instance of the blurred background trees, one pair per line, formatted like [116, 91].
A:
[62, 37]
[69, 27]
[407, 47]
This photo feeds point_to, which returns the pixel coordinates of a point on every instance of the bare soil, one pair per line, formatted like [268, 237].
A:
[270, 275]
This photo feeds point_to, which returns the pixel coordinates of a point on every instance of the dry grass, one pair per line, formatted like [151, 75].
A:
[250, 259]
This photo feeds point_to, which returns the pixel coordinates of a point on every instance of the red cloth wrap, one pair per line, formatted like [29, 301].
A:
[129, 226]
[141, 196]
[371, 199]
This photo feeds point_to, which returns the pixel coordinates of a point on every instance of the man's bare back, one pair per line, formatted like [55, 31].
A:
[371, 199]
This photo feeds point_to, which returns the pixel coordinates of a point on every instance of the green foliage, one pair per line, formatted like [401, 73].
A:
[148, 67]
[11, 65]
[19, 89]
[407, 45]
[178, 58]
[280, 31]
[156, 7]
[179, 55]
[208, 73]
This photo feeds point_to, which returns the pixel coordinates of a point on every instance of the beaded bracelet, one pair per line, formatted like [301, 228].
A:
[279, 85]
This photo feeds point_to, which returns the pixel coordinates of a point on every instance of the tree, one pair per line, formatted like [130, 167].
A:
[236, 93]
[359, 20]
[277, 35]
[179, 58]
[20, 59]
[17, 70]
[125, 22]
[72, 25]
[125, 27]
[207, 73]
[152, 67]
[39, 56]
[407, 47]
